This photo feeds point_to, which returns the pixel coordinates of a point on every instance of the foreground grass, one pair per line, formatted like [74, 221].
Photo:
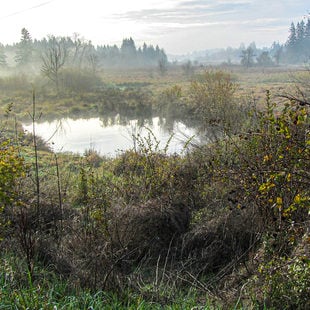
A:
[48, 291]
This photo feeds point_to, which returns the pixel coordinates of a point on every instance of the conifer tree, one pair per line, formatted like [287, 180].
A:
[307, 31]
[292, 36]
[24, 51]
[300, 31]
[3, 61]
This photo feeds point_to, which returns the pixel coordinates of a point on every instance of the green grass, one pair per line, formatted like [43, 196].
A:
[54, 294]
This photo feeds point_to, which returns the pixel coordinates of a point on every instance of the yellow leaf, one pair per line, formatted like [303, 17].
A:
[279, 201]
[297, 198]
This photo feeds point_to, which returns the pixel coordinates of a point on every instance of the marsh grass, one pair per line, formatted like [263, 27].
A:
[69, 102]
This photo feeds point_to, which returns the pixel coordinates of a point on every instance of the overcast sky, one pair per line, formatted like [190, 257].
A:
[178, 26]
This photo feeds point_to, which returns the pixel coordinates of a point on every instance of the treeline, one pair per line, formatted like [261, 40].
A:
[296, 50]
[298, 43]
[129, 55]
[78, 52]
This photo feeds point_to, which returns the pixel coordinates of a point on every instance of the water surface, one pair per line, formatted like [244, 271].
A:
[108, 138]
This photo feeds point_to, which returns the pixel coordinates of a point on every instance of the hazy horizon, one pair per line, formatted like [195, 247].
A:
[179, 27]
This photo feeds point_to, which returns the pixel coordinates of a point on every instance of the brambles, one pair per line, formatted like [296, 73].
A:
[271, 177]
[277, 177]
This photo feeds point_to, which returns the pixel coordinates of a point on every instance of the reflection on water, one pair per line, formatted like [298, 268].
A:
[109, 136]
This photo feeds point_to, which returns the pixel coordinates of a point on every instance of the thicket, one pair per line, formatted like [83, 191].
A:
[223, 225]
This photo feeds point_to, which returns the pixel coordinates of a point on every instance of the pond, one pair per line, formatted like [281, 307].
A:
[112, 136]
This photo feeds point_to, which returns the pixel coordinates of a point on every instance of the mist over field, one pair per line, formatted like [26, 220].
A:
[180, 27]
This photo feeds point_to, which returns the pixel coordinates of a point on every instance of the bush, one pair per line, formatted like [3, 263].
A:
[212, 103]
[15, 83]
[284, 281]
[270, 177]
[220, 243]
[147, 230]
[79, 81]
[11, 170]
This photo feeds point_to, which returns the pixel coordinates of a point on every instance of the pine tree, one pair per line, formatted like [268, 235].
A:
[129, 51]
[305, 44]
[300, 31]
[24, 51]
[3, 62]
[307, 30]
[292, 36]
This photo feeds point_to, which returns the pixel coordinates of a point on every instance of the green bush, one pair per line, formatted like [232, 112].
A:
[266, 168]
[286, 282]
[11, 169]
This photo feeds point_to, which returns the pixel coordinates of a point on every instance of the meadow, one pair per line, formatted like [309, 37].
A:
[224, 225]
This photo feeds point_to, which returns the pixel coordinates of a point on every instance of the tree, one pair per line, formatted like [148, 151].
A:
[264, 59]
[276, 52]
[247, 57]
[24, 48]
[11, 170]
[300, 31]
[292, 39]
[80, 47]
[93, 60]
[307, 30]
[307, 36]
[54, 59]
[128, 46]
[163, 65]
[128, 51]
[3, 62]
[188, 68]
[298, 42]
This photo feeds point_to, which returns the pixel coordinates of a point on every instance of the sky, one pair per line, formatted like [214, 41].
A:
[178, 26]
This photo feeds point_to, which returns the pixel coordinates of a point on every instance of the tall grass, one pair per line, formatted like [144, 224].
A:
[48, 291]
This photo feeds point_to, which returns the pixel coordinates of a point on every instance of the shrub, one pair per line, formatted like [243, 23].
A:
[14, 83]
[212, 103]
[220, 243]
[11, 169]
[146, 172]
[79, 81]
[285, 281]
[270, 176]
[147, 230]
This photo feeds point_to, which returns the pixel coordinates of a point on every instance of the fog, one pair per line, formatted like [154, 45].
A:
[180, 27]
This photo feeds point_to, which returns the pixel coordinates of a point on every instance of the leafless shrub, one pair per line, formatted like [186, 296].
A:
[215, 244]
[147, 229]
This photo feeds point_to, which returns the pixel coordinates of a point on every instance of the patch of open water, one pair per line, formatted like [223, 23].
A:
[79, 135]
